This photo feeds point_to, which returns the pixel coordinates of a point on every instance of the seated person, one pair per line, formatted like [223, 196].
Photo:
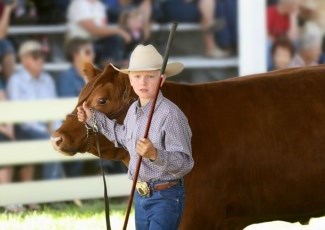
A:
[70, 82]
[282, 20]
[190, 11]
[78, 52]
[31, 83]
[7, 53]
[6, 172]
[115, 8]
[133, 22]
[87, 19]
[309, 49]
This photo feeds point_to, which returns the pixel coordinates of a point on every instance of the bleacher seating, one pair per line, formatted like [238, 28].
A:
[190, 62]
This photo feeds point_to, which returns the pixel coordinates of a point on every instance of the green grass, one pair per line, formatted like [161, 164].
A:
[91, 216]
[67, 217]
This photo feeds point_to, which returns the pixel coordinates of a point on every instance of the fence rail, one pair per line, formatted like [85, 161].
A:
[30, 152]
[62, 28]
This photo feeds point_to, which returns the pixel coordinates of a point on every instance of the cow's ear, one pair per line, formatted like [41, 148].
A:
[111, 72]
[91, 71]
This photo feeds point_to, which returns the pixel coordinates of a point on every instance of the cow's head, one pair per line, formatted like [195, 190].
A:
[107, 91]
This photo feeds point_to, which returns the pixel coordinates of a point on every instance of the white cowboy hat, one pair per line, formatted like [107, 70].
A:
[147, 58]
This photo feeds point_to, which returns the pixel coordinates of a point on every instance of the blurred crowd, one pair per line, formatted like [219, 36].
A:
[295, 33]
[99, 32]
[107, 31]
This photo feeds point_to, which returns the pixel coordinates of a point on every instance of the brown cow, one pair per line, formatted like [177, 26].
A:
[258, 143]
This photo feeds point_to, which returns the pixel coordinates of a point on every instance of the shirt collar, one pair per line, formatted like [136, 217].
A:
[29, 77]
[146, 109]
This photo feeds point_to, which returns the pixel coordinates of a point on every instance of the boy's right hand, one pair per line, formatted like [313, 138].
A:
[83, 113]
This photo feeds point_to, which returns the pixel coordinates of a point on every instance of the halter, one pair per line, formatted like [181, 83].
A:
[88, 128]
[124, 105]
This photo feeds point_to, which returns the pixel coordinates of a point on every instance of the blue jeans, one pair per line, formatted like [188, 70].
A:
[49, 170]
[162, 210]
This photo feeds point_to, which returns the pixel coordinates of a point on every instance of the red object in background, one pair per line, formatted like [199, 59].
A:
[1, 8]
[277, 24]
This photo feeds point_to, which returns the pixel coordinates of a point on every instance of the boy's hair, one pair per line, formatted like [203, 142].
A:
[285, 43]
[73, 46]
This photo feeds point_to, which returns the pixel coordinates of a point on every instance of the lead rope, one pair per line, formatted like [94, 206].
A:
[95, 130]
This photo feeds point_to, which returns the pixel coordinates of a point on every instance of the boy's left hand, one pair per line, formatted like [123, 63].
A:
[146, 149]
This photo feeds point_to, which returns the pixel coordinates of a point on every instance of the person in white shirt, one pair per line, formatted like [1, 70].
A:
[31, 83]
[87, 19]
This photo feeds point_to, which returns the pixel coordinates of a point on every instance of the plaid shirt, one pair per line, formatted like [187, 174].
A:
[169, 132]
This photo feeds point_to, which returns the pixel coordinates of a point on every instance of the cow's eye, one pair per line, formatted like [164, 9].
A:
[102, 101]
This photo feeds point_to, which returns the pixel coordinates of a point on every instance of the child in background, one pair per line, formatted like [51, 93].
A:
[282, 53]
[132, 21]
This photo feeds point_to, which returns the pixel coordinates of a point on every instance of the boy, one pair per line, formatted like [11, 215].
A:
[167, 157]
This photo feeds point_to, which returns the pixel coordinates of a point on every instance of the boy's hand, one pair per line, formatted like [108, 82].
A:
[83, 113]
[146, 149]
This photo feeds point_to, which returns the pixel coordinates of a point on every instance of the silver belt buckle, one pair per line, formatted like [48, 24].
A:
[143, 188]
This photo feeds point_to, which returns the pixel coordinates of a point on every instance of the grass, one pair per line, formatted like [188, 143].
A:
[68, 217]
[91, 215]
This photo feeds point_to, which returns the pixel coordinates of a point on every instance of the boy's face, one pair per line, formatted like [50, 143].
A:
[144, 83]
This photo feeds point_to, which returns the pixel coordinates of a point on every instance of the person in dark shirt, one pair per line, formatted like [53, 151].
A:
[78, 51]
[70, 82]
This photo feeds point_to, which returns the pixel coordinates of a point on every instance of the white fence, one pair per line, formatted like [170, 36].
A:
[27, 152]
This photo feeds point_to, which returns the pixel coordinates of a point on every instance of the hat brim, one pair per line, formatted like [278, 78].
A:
[172, 69]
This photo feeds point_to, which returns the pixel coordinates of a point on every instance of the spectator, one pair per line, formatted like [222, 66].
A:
[207, 10]
[194, 11]
[227, 36]
[31, 83]
[282, 20]
[7, 54]
[271, 2]
[115, 8]
[309, 49]
[70, 83]
[7, 59]
[78, 52]
[318, 8]
[6, 172]
[133, 22]
[282, 53]
[87, 19]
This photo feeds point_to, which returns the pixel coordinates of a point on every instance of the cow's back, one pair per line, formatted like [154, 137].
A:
[259, 148]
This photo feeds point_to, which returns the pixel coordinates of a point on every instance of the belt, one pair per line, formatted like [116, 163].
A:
[145, 189]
